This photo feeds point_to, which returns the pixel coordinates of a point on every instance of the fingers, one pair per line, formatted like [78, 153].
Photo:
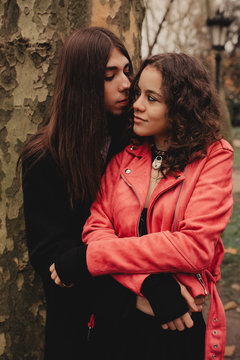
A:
[186, 318]
[54, 275]
[56, 279]
[179, 323]
[171, 325]
[189, 299]
[164, 326]
[200, 300]
[52, 268]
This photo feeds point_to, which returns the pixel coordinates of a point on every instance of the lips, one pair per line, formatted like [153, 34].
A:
[123, 102]
[139, 119]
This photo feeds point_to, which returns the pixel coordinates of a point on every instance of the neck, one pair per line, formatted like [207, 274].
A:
[161, 144]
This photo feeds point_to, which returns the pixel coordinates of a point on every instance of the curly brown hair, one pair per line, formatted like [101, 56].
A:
[193, 107]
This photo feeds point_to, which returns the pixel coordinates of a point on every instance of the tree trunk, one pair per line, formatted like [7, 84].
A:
[31, 33]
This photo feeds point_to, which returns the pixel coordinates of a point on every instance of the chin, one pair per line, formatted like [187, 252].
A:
[138, 131]
[117, 112]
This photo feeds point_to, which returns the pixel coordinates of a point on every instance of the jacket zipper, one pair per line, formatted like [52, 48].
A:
[163, 192]
[137, 199]
[200, 279]
[91, 324]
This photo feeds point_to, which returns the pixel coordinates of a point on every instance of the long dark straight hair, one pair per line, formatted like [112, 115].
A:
[194, 111]
[77, 127]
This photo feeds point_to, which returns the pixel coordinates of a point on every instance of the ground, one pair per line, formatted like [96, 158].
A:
[229, 286]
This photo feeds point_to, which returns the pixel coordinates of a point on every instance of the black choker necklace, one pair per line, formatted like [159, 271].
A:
[157, 157]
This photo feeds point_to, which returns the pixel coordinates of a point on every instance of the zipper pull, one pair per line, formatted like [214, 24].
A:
[200, 279]
[89, 332]
[90, 326]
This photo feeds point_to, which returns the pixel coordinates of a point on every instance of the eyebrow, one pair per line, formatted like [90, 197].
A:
[152, 92]
[148, 91]
[116, 67]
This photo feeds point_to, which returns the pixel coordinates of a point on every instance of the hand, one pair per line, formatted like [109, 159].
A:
[179, 323]
[143, 305]
[195, 305]
[200, 300]
[56, 279]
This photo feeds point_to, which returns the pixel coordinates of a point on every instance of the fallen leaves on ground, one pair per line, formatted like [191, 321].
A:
[230, 305]
[230, 350]
[235, 287]
[231, 250]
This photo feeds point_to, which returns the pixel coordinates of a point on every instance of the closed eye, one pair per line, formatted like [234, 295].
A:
[109, 78]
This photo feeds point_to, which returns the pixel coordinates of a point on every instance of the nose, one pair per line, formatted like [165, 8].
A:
[138, 104]
[124, 84]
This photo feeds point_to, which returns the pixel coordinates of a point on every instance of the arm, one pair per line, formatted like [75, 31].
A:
[189, 249]
[52, 227]
[195, 238]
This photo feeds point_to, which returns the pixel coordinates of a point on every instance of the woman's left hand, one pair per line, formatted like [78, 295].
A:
[195, 305]
[179, 323]
[55, 277]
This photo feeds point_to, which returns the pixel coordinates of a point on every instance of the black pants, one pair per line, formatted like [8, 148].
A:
[141, 337]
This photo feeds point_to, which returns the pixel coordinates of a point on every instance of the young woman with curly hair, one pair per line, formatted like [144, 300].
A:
[164, 202]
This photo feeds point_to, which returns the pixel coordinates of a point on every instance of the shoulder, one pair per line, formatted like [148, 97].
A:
[220, 145]
[131, 151]
[44, 168]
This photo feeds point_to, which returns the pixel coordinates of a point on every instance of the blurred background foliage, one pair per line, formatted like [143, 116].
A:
[174, 25]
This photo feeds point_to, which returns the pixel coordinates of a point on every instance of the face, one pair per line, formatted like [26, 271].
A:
[150, 110]
[116, 85]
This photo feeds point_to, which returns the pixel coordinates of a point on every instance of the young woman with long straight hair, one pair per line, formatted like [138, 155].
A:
[62, 165]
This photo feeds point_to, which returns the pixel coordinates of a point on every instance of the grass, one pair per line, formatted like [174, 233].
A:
[231, 235]
[236, 132]
[236, 160]
[236, 136]
[230, 267]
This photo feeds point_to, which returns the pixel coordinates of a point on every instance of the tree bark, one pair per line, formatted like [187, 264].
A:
[31, 34]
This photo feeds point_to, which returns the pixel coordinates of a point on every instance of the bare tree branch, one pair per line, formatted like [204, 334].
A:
[159, 28]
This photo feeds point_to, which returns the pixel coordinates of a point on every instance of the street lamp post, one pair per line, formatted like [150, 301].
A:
[218, 28]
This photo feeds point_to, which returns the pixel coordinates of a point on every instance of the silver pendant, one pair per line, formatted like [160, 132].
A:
[157, 162]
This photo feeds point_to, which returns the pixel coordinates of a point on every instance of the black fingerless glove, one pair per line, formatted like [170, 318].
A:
[71, 266]
[164, 295]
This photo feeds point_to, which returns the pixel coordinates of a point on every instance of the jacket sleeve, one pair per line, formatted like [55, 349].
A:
[50, 222]
[190, 249]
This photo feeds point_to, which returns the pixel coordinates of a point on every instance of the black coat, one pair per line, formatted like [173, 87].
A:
[53, 227]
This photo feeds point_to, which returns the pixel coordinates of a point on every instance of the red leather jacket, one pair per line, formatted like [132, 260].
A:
[186, 215]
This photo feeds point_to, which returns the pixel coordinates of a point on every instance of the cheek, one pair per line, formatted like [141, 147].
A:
[157, 124]
[108, 93]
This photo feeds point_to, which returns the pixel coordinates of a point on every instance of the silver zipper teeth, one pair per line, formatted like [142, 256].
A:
[200, 279]
[136, 197]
